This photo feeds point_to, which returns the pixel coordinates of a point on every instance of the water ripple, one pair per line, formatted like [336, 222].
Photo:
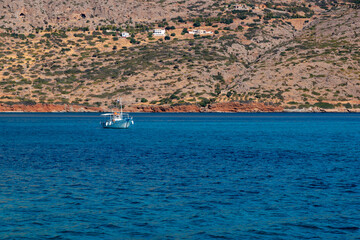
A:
[186, 176]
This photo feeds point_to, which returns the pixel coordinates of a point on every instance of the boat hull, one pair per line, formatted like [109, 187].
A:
[120, 124]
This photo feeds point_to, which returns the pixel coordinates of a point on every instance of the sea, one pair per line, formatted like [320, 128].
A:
[180, 176]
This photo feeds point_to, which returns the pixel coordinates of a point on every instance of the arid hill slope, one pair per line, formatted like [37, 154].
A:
[297, 54]
[321, 63]
[25, 15]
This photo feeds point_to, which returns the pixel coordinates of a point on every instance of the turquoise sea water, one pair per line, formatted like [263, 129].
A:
[180, 176]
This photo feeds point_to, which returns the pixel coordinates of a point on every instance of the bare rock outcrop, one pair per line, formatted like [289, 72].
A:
[165, 108]
[39, 107]
[242, 107]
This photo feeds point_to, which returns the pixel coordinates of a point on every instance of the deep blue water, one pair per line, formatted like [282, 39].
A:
[180, 176]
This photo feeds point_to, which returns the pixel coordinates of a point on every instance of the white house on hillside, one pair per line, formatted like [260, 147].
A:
[242, 7]
[200, 32]
[125, 34]
[159, 32]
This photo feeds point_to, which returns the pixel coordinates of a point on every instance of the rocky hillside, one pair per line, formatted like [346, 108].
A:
[25, 15]
[297, 54]
[321, 63]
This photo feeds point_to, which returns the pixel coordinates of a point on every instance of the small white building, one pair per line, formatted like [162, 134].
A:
[125, 34]
[242, 7]
[159, 32]
[200, 32]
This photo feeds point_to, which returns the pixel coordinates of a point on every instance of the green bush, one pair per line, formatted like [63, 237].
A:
[347, 105]
[204, 102]
[324, 105]
[251, 32]
[27, 102]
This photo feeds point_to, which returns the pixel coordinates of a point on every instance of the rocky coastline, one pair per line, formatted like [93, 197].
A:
[230, 107]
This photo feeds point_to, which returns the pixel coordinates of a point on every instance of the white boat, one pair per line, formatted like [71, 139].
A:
[117, 119]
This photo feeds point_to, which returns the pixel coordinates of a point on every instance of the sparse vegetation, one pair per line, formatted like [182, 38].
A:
[247, 55]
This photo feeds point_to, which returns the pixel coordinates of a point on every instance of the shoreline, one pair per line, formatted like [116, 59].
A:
[224, 107]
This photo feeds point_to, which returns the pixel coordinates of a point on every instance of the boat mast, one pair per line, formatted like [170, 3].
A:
[121, 107]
